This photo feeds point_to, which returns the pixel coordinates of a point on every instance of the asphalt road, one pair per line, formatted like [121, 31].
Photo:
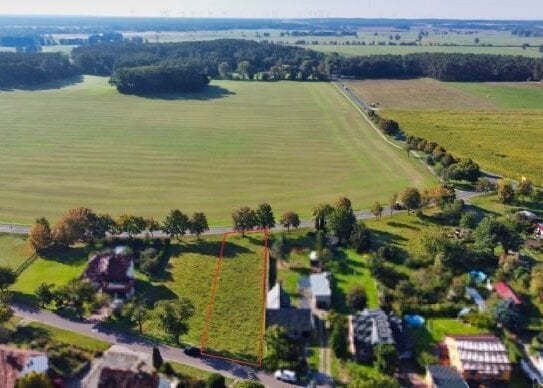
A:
[170, 353]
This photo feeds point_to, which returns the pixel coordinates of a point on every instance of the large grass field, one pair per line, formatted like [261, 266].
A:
[497, 125]
[239, 143]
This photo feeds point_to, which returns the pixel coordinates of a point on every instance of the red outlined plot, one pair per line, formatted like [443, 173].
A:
[216, 279]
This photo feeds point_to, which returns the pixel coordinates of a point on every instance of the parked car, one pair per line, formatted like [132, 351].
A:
[192, 351]
[287, 376]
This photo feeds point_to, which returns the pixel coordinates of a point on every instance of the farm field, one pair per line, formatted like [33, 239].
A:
[494, 124]
[291, 144]
[359, 50]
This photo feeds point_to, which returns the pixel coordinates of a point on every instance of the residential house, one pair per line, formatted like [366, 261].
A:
[504, 291]
[15, 363]
[298, 322]
[539, 230]
[479, 358]
[112, 272]
[121, 367]
[442, 376]
[370, 328]
[321, 290]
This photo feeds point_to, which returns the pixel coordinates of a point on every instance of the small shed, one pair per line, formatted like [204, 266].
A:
[505, 292]
[321, 290]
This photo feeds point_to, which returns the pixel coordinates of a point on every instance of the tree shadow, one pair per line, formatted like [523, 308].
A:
[383, 238]
[212, 92]
[24, 335]
[50, 85]
[395, 224]
[67, 255]
[208, 248]
[153, 293]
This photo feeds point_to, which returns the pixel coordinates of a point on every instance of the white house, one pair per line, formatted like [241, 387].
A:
[15, 363]
[320, 289]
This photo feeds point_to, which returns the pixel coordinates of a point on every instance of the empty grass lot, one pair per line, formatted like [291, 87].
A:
[236, 318]
[239, 143]
[497, 125]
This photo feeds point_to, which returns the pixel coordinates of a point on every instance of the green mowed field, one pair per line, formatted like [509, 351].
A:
[14, 250]
[496, 124]
[238, 143]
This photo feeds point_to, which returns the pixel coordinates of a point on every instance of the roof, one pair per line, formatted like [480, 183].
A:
[505, 292]
[108, 267]
[277, 298]
[116, 378]
[320, 284]
[12, 362]
[446, 377]
[375, 327]
[485, 354]
[118, 358]
[292, 319]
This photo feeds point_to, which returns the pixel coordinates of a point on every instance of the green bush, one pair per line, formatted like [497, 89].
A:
[216, 380]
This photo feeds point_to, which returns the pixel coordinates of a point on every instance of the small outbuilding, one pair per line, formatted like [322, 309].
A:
[505, 292]
[321, 290]
[442, 376]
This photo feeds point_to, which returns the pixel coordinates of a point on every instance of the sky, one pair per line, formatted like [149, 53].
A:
[445, 9]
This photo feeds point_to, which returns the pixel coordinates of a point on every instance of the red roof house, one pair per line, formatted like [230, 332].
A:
[112, 272]
[539, 230]
[505, 292]
[15, 363]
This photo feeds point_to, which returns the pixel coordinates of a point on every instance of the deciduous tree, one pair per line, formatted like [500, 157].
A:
[357, 298]
[321, 212]
[173, 316]
[176, 223]
[506, 193]
[40, 236]
[264, 215]
[131, 225]
[44, 294]
[290, 220]
[377, 209]
[198, 224]
[411, 198]
[277, 347]
[244, 219]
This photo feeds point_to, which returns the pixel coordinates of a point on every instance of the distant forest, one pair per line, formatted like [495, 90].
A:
[249, 60]
[27, 70]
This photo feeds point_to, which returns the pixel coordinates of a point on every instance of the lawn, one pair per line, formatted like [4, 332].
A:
[238, 143]
[435, 331]
[350, 269]
[14, 250]
[494, 124]
[58, 268]
[236, 318]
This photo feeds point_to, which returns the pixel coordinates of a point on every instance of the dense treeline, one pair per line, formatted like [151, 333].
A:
[244, 59]
[104, 59]
[444, 67]
[159, 79]
[24, 69]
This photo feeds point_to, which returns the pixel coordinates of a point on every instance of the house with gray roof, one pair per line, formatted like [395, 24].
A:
[374, 327]
[298, 322]
[443, 376]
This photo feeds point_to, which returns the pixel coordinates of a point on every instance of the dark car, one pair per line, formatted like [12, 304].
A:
[192, 351]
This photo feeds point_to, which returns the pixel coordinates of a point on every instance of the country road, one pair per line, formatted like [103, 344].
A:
[139, 344]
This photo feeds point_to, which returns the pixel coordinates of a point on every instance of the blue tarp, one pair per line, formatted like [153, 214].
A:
[414, 320]
[478, 276]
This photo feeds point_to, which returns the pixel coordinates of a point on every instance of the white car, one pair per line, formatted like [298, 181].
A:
[285, 375]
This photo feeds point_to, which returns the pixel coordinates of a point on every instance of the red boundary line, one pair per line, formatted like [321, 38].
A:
[211, 305]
